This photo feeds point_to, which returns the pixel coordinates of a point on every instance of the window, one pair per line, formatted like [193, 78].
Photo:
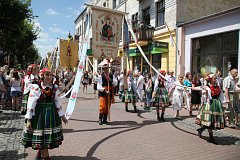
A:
[104, 4]
[114, 4]
[156, 60]
[215, 52]
[146, 16]
[134, 20]
[137, 63]
[160, 13]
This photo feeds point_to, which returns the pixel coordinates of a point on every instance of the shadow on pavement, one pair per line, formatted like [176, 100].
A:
[10, 116]
[226, 140]
[172, 123]
[86, 98]
[90, 130]
[71, 158]
[7, 130]
[133, 126]
[12, 154]
[129, 123]
[82, 120]
[140, 112]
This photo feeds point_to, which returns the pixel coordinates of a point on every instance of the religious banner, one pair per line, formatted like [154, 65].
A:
[68, 53]
[106, 32]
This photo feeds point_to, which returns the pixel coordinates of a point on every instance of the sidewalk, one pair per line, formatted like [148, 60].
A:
[129, 136]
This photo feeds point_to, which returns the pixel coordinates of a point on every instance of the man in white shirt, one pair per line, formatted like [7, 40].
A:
[140, 82]
[170, 80]
[231, 97]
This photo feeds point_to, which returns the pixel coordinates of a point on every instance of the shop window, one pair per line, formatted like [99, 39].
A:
[156, 60]
[160, 13]
[137, 63]
[215, 52]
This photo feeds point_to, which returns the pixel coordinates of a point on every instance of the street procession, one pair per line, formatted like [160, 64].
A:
[119, 79]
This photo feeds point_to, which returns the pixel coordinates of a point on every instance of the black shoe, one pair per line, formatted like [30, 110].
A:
[199, 130]
[135, 109]
[126, 109]
[158, 118]
[100, 121]
[105, 119]
[162, 117]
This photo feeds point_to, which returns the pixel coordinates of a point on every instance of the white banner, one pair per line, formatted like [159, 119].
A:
[106, 32]
[77, 82]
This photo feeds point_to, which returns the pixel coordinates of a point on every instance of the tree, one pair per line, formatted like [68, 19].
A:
[17, 31]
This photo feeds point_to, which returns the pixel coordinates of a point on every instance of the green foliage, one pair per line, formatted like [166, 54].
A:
[17, 31]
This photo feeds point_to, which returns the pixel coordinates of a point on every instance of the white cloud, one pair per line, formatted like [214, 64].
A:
[44, 49]
[68, 16]
[58, 30]
[54, 24]
[74, 11]
[37, 25]
[50, 11]
[43, 35]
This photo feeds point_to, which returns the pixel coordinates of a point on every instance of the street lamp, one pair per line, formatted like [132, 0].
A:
[149, 34]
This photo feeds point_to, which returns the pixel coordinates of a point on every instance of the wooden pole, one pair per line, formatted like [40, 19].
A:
[109, 95]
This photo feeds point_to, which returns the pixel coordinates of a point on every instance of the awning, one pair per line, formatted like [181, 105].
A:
[156, 48]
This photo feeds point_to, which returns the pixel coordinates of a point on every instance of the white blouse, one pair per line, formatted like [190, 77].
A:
[35, 93]
[27, 81]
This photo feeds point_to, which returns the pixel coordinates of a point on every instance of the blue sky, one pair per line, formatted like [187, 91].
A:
[55, 20]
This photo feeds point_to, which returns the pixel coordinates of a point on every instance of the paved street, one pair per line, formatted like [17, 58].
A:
[129, 136]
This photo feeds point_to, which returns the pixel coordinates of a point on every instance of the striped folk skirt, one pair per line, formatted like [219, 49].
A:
[46, 128]
[161, 98]
[213, 115]
[129, 97]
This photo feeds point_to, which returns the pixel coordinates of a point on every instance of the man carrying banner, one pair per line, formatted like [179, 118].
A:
[105, 88]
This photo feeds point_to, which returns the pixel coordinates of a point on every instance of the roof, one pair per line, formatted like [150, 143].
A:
[85, 9]
[209, 16]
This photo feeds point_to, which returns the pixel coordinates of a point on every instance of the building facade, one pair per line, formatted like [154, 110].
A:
[188, 34]
[208, 38]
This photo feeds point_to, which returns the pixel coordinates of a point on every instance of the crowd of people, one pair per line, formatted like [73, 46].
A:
[35, 94]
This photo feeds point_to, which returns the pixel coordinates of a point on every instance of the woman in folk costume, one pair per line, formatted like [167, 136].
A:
[43, 129]
[212, 113]
[177, 101]
[160, 95]
[104, 92]
[30, 78]
[129, 96]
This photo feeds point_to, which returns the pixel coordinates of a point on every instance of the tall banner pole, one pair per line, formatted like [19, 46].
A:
[58, 56]
[109, 94]
[141, 51]
[41, 63]
[74, 92]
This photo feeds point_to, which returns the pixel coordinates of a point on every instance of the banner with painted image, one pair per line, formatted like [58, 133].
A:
[106, 32]
[68, 53]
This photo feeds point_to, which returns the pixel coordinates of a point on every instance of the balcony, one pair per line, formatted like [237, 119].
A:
[140, 33]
